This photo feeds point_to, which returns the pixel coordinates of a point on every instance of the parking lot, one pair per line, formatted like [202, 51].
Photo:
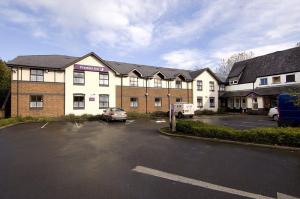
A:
[238, 121]
[132, 160]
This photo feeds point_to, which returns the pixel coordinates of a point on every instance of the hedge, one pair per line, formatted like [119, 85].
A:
[275, 136]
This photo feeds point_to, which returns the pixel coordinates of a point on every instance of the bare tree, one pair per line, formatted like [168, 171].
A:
[225, 65]
[298, 44]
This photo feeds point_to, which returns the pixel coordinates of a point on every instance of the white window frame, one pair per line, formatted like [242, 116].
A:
[157, 83]
[34, 103]
[78, 104]
[133, 81]
[134, 103]
[158, 103]
[103, 104]
[200, 104]
[103, 79]
[36, 75]
[199, 85]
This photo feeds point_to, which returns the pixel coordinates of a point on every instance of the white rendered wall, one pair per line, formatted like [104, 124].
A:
[50, 76]
[205, 93]
[91, 88]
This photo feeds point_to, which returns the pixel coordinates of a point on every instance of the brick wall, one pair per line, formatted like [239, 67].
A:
[128, 92]
[53, 98]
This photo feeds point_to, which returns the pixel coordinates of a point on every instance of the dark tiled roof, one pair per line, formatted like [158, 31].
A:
[44, 61]
[61, 61]
[148, 71]
[279, 62]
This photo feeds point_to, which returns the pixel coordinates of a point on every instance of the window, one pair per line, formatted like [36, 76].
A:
[157, 102]
[103, 101]
[157, 82]
[276, 80]
[211, 86]
[199, 102]
[133, 81]
[78, 101]
[222, 87]
[178, 99]
[103, 79]
[211, 102]
[78, 77]
[178, 84]
[254, 103]
[36, 75]
[290, 78]
[232, 82]
[36, 101]
[263, 81]
[237, 103]
[199, 85]
[133, 102]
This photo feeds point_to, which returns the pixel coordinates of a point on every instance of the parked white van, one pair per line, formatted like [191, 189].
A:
[182, 109]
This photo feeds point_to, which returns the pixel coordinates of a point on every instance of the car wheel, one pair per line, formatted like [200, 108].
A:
[275, 117]
[124, 121]
[191, 116]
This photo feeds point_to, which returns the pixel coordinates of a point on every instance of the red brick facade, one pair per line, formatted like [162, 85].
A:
[147, 103]
[53, 98]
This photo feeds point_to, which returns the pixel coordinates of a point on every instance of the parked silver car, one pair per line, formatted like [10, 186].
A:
[116, 114]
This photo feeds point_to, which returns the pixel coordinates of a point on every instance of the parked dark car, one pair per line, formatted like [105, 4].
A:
[289, 111]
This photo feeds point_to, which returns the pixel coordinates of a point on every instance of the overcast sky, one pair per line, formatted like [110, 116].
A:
[180, 34]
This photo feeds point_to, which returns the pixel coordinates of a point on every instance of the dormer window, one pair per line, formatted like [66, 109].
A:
[178, 84]
[157, 82]
[276, 80]
[234, 82]
[133, 81]
[263, 81]
[290, 78]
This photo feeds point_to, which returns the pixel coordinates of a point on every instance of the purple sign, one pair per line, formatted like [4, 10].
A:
[90, 68]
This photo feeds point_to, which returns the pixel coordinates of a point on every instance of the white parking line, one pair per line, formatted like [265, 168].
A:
[44, 125]
[199, 183]
[76, 124]
[160, 121]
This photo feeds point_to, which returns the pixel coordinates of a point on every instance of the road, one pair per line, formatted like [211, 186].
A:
[101, 160]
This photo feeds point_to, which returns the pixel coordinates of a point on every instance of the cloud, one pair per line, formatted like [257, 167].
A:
[186, 58]
[114, 23]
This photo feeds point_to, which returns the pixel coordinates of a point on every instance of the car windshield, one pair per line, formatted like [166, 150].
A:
[117, 109]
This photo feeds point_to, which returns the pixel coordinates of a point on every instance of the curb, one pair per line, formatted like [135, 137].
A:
[9, 125]
[229, 141]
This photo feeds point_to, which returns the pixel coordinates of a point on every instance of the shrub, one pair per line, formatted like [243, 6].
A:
[159, 114]
[279, 136]
[205, 112]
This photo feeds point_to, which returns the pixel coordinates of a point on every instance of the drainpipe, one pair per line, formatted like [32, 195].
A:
[169, 94]
[121, 91]
[17, 91]
[187, 89]
[146, 95]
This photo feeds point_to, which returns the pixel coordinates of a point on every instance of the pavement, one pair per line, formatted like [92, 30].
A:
[132, 160]
[238, 121]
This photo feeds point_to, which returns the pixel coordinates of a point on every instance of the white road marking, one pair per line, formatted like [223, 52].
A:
[44, 125]
[284, 196]
[199, 183]
[160, 121]
[76, 124]
[129, 122]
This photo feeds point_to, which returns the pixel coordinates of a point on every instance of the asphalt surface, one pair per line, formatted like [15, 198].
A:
[95, 160]
[238, 121]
